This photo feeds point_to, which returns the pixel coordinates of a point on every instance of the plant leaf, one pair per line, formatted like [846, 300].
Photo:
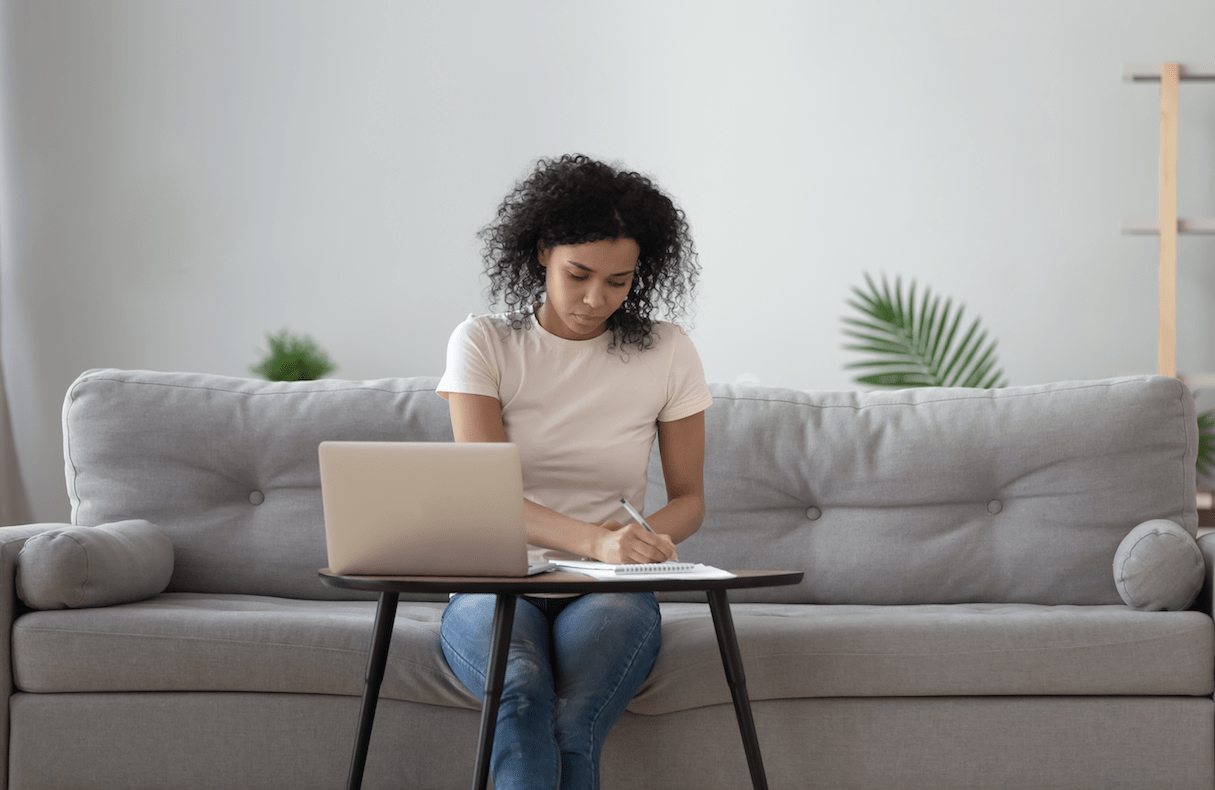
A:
[1205, 461]
[911, 339]
[293, 358]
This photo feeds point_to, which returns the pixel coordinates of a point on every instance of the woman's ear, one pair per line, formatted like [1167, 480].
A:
[543, 254]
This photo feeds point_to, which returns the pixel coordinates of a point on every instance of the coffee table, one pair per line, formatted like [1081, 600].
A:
[507, 589]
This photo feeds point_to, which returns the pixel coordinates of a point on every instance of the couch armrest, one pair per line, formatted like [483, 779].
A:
[11, 541]
[1206, 598]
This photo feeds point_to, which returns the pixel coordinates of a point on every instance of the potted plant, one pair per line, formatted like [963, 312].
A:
[293, 358]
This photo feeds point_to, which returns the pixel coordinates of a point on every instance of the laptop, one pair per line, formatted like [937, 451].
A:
[424, 509]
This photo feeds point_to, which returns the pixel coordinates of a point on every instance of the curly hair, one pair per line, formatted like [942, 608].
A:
[574, 200]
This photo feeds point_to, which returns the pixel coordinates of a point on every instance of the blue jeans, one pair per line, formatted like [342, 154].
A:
[573, 666]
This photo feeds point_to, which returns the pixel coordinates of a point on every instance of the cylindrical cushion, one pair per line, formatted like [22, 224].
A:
[78, 567]
[1158, 566]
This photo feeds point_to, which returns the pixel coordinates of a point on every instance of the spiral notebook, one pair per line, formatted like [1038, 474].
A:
[643, 570]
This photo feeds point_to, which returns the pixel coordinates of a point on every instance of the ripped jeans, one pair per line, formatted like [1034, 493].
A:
[574, 664]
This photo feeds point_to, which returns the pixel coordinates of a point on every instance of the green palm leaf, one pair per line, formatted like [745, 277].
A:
[917, 342]
[1206, 442]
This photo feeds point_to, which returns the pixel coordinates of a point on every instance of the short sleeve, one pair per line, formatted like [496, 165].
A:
[687, 390]
[471, 363]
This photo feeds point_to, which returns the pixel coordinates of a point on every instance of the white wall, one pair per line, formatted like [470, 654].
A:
[181, 177]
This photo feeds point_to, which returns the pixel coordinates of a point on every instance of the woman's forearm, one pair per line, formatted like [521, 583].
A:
[612, 541]
[552, 530]
[680, 518]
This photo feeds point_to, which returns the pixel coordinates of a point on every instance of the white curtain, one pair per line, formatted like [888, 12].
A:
[14, 508]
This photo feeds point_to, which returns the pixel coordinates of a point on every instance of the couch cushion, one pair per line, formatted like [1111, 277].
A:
[1158, 566]
[79, 567]
[930, 651]
[228, 467]
[201, 642]
[191, 642]
[1019, 495]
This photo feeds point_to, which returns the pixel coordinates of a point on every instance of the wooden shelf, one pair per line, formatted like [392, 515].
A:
[1186, 227]
[1198, 380]
[1167, 225]
[1150, 72]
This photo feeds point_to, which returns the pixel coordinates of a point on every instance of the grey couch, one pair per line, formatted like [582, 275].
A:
[962, 623]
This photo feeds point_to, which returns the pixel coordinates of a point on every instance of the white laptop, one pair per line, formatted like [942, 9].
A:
[424, 508]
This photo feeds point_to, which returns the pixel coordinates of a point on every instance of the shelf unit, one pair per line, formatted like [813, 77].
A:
[1167, 224]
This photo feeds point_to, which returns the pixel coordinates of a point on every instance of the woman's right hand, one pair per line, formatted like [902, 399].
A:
[632, 543]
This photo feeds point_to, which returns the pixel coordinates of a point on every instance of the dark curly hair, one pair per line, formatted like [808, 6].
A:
[574, 200]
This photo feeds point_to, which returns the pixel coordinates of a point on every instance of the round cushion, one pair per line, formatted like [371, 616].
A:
[1158, 567]
[76, 567]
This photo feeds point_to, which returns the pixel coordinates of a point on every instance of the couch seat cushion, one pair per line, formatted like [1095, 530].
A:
[210, 642]
[197, 642]
[792, 650]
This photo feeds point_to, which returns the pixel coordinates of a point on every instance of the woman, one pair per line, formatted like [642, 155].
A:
[582, 381]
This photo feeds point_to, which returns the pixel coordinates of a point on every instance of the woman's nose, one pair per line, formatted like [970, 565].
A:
[595, 296]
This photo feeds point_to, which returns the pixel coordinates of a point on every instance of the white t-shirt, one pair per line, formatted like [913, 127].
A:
[584, 417]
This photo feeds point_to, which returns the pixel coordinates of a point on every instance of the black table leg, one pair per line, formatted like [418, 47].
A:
[731, 659]
[495, 673]
[385, 616]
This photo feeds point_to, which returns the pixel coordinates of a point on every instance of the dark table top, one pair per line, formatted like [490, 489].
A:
[553, 582]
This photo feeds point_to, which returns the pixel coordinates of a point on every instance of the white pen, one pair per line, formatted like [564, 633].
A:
[636, 516]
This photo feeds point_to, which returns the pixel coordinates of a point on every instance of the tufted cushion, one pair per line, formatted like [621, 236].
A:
[80, 567]
[908, 497]
[1158, 566]
[228, 467]
[1017, 495]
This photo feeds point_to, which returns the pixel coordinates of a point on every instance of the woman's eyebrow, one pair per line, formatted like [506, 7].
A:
[592, 271]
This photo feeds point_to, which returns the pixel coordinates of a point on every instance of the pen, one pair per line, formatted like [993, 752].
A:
[636, 516]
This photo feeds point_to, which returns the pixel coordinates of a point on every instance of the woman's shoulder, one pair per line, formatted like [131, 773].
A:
[491, 327]
[512, 320]
[666, 328]
[671, 336]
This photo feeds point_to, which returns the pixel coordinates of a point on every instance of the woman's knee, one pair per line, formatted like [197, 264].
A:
[464, 638]
[607, 639]
[465, 635]
[618, 617]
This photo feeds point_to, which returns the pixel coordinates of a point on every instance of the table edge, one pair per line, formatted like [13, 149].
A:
[555, 582]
